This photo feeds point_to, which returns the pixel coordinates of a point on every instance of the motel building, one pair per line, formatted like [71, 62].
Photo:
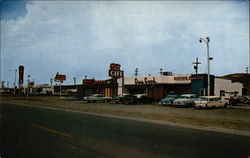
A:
[159, 86]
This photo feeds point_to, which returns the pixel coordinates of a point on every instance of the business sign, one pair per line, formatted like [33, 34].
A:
[92, 81]
[59, 77]
[145, 81]
[114, 66]
[21, 72]
[115, 71]
[181, 78]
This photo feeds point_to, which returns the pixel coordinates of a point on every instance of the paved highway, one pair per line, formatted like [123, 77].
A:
[32, 132]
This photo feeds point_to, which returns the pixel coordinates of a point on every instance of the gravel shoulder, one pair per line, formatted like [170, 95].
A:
[234, 120]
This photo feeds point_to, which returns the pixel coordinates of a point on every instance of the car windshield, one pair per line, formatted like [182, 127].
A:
[184, 97]
[170, 96]
[202, 99]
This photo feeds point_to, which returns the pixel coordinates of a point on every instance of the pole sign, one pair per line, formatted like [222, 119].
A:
[115, 71]
[21, 72]
[59, 77]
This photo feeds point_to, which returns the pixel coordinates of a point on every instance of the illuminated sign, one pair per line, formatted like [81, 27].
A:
[145, 81]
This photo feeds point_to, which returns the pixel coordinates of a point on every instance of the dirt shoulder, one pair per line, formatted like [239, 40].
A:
[228, 120]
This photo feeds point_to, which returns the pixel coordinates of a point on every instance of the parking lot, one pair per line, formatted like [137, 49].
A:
[233, 119]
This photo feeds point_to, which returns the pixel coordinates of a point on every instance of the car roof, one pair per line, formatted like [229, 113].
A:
[188, 95]
[209, 97]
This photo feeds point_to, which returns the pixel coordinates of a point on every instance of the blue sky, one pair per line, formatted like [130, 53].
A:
[80, 38]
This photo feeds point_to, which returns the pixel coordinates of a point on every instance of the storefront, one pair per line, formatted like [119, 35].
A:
[106, 87]
[156, 87]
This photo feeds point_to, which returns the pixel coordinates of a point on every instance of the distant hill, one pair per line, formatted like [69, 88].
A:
[238, 77]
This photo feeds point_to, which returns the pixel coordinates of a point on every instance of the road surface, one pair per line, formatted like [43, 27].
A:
[33, 132]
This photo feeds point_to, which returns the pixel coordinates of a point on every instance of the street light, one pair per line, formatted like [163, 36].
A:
[207, 40]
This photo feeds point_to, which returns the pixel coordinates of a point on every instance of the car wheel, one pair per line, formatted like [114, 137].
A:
[225, 105]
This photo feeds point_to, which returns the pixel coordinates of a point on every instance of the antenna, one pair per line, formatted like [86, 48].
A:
[136, 72]
[196, 65]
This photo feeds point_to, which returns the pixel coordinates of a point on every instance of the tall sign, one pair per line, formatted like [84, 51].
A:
[21, 73]
[115, 71]
[59, 77]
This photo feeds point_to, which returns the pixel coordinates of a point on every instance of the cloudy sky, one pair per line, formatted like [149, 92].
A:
[80, 38]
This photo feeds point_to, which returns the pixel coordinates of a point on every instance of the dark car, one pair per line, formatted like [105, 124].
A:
[130, 99]
[244, 99]
[119, 99]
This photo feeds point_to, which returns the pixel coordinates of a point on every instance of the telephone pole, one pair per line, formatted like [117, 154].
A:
[136, 72]
[161, 71]
[196, 65]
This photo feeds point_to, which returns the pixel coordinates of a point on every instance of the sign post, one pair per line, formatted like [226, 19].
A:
[60, 78]
[116, 73]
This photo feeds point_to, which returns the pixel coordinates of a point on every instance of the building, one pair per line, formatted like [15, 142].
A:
[156, 86]
[224, 85]
[159, 86]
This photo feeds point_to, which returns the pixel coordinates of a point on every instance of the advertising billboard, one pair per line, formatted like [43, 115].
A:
[59, 77]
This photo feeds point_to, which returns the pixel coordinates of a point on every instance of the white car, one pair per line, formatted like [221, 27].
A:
[185, 100]
[210, 102]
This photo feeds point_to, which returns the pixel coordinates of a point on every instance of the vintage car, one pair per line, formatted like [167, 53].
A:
[137, 99]
[97, 98]
[168, 100]
[185, 100]
[244, 99]
[130, 99]
[210, 102]
[120, 98]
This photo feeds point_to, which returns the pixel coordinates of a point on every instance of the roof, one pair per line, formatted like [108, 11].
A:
[209, 97]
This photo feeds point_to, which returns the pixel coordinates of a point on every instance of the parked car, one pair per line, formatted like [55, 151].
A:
[119, 98]
[97, 98]
[143, 99]
[244, 99]
[137, 99]
[210, 102]
[168, 100]
[130, 99]
[185, 100]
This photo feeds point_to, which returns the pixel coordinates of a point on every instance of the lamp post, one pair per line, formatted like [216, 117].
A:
[28, 87]
[207, 40]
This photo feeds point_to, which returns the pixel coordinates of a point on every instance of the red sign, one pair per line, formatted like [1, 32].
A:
[115, 67]
[92, 81]
[21, 72]
[59, 77]
[145, 81]
[182, 78]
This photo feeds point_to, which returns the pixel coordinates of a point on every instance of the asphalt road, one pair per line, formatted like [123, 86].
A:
[32, 132]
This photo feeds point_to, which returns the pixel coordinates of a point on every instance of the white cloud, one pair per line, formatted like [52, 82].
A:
[78, 38]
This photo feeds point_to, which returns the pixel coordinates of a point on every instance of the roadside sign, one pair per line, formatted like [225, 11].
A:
[59, 77]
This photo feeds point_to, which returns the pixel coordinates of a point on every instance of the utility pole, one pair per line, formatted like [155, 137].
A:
[28, 87]
[246, 70]
[51, 81]
[74, 80]
[160, 71]
[136, 72]
[196, 65]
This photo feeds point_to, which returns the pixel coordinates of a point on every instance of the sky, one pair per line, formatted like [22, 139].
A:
[79, 38]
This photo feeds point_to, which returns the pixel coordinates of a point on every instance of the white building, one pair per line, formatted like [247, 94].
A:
[223, 85]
